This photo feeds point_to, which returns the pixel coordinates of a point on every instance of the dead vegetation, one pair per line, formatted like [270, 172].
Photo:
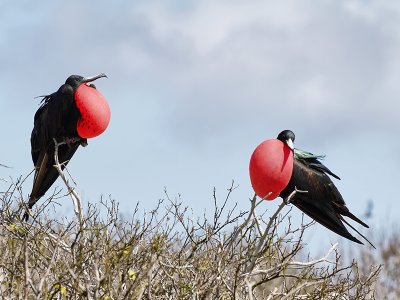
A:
[168, 253]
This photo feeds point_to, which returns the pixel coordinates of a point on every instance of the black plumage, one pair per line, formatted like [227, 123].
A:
[56, 118]
[322, 201]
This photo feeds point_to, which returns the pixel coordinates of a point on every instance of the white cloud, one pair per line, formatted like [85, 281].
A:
[195, 85]
[223, 66]
[321, 64]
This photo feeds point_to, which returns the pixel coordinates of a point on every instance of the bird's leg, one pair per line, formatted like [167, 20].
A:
[72, 140]
[289, 198]
[84, 142]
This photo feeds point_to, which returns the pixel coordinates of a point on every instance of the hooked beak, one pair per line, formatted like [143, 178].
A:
[93, 78]
[289, 142]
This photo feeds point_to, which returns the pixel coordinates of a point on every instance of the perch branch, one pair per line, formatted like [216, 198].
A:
[76, 201]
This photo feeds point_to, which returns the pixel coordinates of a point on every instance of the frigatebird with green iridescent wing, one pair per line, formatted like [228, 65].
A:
[321, 200]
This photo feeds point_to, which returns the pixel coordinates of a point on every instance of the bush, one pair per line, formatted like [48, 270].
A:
[167, 254]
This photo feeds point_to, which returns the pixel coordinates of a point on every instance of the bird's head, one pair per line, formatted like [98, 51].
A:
[287, 137]
[76, 80]
[92, 105]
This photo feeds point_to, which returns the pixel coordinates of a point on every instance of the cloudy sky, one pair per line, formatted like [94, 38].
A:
[194, 86]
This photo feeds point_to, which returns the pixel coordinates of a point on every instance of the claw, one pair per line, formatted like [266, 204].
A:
[71, 140]
[84, 142]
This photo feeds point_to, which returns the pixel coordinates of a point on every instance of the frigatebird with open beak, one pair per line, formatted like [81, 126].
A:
[316, 194]
[69, 116]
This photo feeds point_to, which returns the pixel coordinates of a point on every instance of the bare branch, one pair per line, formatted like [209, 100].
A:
[74, 196]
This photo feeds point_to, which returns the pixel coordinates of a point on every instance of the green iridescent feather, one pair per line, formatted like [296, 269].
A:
[299, 154]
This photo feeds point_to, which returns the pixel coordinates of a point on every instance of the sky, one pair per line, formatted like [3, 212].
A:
[195, 86]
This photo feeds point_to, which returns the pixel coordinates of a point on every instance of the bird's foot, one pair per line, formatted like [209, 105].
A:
[84, 142]
[69, 141]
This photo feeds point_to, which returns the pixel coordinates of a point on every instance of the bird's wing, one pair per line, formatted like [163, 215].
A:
[322, 202]
[313, 161]
[40, 137]
[49, 122]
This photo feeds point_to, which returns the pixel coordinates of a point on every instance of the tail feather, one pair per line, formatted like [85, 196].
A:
[352, 227]
[38, 180]
[354, 218]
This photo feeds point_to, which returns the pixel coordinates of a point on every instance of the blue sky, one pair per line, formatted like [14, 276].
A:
[194, 86]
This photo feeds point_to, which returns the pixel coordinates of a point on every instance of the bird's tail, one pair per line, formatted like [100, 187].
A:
[358, 231]
[354, 218]
[31, 202]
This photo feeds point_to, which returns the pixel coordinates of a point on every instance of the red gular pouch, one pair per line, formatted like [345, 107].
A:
[94, 109]
[271, 167]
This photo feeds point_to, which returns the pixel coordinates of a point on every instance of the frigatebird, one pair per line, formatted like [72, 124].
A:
[68, 117]
[318, 197]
